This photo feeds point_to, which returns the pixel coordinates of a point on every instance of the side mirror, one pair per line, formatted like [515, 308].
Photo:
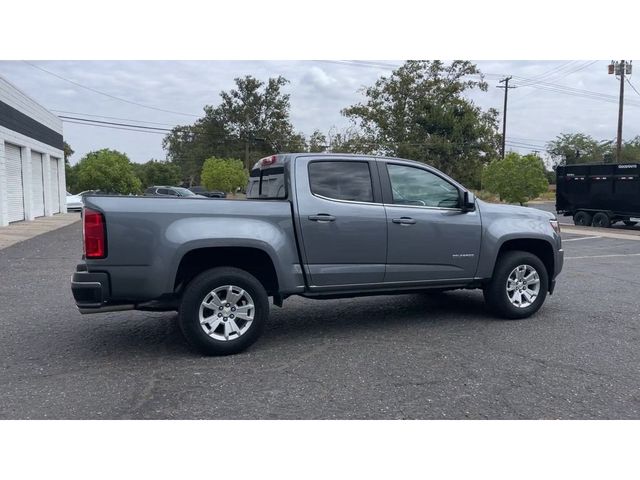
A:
[468, 201]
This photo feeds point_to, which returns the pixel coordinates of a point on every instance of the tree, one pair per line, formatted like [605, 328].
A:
[317, 142]
[69, 171]
[155, 172]
[630, 151]
[251, 121]
[224, 174]
[517, 178]
[420, 112]
[109, 171]
[571, 148]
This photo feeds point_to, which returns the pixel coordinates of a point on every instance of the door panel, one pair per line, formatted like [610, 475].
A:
[440, 245]
[344, 239]
[430, 237]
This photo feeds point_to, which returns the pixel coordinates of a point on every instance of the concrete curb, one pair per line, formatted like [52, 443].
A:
[601, 232]
[20, 231]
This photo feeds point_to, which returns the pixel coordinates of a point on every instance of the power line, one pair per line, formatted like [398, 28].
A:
[102, 122]
[108, 94]
[114, 127]
[631, 85]
[112, 118]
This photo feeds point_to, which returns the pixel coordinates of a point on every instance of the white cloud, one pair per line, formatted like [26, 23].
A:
[319, 90]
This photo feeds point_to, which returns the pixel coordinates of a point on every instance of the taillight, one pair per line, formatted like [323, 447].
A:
[95, 238]
[555, 225]
[268, 160]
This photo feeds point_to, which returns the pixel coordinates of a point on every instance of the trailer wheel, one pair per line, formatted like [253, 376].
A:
[582, 218]
[601, 220]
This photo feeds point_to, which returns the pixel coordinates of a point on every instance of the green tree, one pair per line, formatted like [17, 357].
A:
[109, 171]
[421, 112]
[156, 172]
[630, 151]
[516, 178]
[571, 148]
[69, 170]
[317, 142]
[251, 121]
[224, 174]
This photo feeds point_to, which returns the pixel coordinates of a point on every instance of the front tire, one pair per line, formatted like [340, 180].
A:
[519, 285]
[223, 311]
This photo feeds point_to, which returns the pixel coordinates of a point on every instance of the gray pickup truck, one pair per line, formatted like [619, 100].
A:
[315, 225]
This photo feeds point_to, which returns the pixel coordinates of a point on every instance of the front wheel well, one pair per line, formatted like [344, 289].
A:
[252, 260]
[540, 248]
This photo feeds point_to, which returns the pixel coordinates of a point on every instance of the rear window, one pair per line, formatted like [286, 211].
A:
[267, 183]
[341, 180]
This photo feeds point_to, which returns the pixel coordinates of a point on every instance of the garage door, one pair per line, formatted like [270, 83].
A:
[55, 186]
[14, 182]
[37, 185]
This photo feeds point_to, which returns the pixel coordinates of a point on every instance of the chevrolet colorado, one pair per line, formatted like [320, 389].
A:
[316, 225]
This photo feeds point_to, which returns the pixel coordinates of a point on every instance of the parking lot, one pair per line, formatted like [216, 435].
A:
[409, 356]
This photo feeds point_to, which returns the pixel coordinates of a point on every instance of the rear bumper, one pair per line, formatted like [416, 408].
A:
[91, 291]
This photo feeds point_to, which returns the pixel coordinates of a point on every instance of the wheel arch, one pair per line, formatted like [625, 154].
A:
[539, 247]
[254, 259]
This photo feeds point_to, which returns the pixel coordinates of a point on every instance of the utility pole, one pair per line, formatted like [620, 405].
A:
[504, 112]
[620, 69]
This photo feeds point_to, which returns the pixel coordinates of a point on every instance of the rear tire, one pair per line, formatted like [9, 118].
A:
[223, 311]
[506, 286]
[601, 220]
[582, 219]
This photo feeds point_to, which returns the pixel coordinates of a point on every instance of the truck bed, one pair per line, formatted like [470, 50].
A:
[148, 236]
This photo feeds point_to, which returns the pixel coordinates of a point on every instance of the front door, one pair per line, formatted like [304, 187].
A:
[430, 237]
[342, 221]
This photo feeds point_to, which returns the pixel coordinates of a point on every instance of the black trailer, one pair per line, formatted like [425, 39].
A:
[599, 194]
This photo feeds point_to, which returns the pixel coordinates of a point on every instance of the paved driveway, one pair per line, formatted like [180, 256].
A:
[408, 356]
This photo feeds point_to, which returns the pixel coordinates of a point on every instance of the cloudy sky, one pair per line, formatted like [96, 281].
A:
[552, 97]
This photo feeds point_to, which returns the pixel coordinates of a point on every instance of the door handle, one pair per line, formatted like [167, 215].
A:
[404, 221]
[322, 218]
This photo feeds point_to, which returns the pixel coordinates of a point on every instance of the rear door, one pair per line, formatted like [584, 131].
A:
[431, 238]
[342, 221]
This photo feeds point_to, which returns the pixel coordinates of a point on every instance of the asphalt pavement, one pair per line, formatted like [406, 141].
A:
[391, 357]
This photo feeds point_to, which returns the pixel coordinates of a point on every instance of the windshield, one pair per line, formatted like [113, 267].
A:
[184, 192]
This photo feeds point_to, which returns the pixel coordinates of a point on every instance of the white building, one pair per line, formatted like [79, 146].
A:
[32, 176]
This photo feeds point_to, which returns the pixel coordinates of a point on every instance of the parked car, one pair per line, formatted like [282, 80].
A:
[74, 202]
[164, 191]
[319, 226]
[208, 193]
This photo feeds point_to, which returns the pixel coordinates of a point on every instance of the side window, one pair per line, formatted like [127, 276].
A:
[341, 180]
[414, 186]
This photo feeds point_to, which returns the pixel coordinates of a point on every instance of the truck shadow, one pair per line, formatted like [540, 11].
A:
[386, 313]
[140, 334]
